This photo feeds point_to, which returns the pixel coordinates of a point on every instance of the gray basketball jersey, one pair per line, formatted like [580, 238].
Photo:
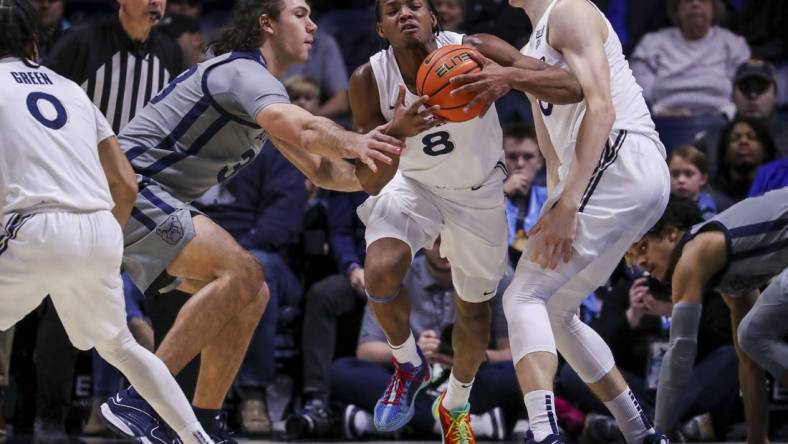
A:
[201, 128]
[756, 232]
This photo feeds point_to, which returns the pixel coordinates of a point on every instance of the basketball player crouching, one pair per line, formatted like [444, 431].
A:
[448, 182]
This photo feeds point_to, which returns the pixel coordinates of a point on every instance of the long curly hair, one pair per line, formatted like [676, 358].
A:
[18, 30]
[244, 33]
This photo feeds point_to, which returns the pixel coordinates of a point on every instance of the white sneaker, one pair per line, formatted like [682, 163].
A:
[489, 425]
[356, 422]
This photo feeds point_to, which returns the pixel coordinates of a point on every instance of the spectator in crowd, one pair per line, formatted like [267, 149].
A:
[524, 199]
[631, 20]
[262, 208]
[327, 67]
[763, 23]
[755, 96]
[333, 297]
[688, 69]
[359, 381]
[688, 177]
[190, 8]
[745, 145]
[452, 14]
[185, 30]
[771, 176]
[304, 92]
[53, 25]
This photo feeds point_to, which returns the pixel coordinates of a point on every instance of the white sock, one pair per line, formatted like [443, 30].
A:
[542, 418]
[457, 393]
[406, 352]
[634, 424]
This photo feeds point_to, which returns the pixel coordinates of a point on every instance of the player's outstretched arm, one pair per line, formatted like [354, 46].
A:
[318, 135]
[120, 176]
[331, 174]
[505, 68]
[700, 260]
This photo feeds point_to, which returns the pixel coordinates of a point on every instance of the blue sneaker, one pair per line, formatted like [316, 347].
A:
[553, 438]
[131, 417]
[395, 408]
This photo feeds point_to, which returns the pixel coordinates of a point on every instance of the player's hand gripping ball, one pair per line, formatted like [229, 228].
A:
[433, 80]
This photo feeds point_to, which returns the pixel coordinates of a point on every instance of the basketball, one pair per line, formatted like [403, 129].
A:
[433, 80]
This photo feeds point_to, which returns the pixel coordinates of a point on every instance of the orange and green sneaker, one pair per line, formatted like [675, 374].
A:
[455, 424]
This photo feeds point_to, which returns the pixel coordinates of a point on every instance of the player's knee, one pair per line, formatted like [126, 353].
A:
[388, 268]
[248, 276]
[114, 349]
[747, 336]
[476, 316]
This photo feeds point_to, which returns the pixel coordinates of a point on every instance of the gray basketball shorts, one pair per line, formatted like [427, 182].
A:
[160, 226]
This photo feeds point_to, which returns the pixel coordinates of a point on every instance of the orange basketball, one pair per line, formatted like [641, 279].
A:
[433, 80]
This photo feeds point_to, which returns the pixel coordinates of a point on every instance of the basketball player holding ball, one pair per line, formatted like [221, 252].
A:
[608, 184]
[448, 182]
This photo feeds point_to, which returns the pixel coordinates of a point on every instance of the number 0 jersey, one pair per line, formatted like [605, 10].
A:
[563, 121]
[454, 155]
[49, 151]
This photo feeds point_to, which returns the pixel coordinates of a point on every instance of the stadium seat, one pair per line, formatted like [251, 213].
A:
[675, 131]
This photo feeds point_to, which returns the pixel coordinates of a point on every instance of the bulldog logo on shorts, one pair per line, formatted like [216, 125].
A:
[171, 231]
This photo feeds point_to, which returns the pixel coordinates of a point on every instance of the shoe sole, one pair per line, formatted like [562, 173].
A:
[118, 426]
[408, 417]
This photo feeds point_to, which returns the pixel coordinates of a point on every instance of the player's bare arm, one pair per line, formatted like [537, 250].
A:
[120, 176]
[505, 68]
[702, 258]
[331, 174]
[318, 135]
[407, 122]
[546, 147]
[578, 32]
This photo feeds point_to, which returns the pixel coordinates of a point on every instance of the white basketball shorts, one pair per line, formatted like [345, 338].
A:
[470, 221]
[73, 257]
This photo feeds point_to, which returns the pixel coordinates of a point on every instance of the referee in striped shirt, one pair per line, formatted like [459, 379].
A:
[120, 61]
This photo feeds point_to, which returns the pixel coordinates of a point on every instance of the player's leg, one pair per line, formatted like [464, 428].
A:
[474, 240]
[229, 296]
[610, 218]
[762, 330]
[399, 221]
[752, 378]
[89, 301]
[21, 274]
[587, 352]
[385, 265]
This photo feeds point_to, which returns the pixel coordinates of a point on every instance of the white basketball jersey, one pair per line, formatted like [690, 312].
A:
[563, 121]
[50, 132]
[454, 155]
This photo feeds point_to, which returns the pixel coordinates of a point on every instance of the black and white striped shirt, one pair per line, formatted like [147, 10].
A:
[119, 74]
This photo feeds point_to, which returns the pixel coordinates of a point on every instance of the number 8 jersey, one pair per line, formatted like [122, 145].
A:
[50, 134]
[454, 155]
